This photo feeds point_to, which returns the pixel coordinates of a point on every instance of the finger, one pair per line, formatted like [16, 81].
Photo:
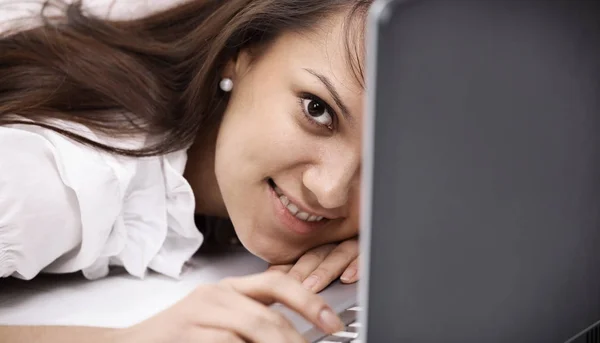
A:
[273, 287]
[310, 261]
[226, 309]
[332, 267]
[284, 268]
[351, 273]
[213, 335]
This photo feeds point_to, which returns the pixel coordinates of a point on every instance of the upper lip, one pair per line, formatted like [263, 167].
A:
[302, 207]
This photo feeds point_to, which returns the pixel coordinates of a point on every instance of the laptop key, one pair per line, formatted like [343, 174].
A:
[351, 329]
[348, 316]
[346, 334]
[335, 339]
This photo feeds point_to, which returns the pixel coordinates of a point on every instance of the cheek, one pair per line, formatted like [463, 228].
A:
[265, 146]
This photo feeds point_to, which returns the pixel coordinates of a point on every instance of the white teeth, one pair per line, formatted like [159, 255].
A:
[284, 200]
[302, 215]
[292, 208]
[312, 218]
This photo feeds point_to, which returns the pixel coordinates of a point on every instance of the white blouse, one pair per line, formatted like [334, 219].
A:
[66, 207]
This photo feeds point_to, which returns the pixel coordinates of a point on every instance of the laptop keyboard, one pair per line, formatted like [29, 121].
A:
[350, 333]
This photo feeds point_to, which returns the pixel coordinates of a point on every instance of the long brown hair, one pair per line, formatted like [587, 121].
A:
[154, 75]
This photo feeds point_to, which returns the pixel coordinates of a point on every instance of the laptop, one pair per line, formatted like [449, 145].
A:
[481, 185]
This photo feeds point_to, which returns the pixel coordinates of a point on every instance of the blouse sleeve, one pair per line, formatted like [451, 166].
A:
[39, 213]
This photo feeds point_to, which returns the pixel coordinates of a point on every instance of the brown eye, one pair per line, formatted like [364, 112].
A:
[317, 111]
[315, 108]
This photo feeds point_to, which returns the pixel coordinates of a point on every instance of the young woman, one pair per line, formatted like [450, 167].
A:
[115, 134]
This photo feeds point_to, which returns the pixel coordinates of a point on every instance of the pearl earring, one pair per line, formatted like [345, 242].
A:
[226, 85]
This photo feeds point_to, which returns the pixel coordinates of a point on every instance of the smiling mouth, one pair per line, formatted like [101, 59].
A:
[292, 208]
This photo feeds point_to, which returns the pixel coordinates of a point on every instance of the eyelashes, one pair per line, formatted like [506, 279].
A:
[317, 111]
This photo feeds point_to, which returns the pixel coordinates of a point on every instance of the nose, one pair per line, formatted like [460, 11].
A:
[333, 178]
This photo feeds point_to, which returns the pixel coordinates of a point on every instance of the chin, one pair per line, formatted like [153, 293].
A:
[272, 253]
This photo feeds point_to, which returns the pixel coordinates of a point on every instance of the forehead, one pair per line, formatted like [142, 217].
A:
[333, 48]
[341, 39]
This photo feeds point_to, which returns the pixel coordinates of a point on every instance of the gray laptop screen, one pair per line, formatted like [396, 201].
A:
[485, 210]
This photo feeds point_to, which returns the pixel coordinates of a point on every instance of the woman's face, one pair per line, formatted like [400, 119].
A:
[288, 151]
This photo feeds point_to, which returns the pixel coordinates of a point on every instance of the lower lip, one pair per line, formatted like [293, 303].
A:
[291, 222]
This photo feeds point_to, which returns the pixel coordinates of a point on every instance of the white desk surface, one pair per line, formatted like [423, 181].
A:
[116, 301]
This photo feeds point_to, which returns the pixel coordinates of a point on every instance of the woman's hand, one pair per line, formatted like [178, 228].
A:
[320, 266]
[236, 310]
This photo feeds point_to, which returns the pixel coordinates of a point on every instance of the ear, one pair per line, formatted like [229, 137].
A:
[238, 66]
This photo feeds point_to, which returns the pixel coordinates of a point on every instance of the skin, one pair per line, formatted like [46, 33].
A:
[268, 133]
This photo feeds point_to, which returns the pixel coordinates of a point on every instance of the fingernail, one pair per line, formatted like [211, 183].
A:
[330, 321]
[310, 282]
[348, 275]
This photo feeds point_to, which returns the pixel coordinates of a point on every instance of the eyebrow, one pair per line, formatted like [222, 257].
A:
[334, 93]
